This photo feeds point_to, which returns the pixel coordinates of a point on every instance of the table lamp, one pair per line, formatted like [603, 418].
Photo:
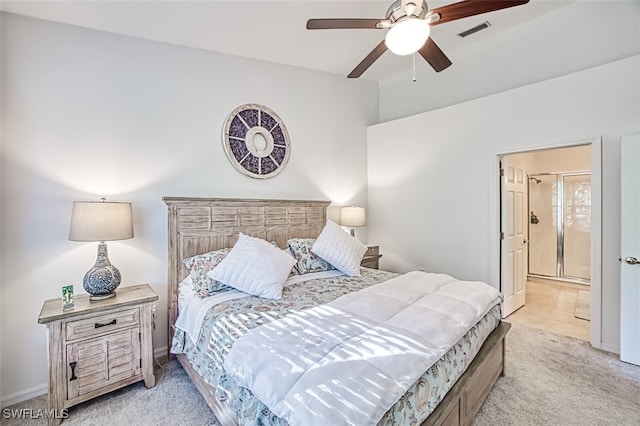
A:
[101, 221]
[352, 217]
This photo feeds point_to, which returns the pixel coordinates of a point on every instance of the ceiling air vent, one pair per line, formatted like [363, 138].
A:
[473, 30]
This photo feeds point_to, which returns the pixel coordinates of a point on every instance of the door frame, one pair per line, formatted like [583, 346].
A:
[595, 329]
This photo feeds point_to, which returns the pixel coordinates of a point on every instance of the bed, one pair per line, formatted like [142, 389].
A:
[200, 225]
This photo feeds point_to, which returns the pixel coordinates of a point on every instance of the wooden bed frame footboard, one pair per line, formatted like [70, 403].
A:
[464, 399]
[199, 225]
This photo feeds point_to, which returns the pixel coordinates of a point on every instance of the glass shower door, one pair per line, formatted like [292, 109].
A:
[577, 226]
[560, 226]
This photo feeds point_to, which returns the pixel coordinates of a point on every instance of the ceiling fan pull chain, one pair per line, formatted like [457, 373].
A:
[414, 67]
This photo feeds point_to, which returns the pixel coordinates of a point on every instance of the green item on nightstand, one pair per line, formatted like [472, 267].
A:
[67, 297]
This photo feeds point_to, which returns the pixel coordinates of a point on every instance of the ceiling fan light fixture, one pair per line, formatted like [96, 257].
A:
[407, 36]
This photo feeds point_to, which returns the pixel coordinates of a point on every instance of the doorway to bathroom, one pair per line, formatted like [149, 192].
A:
[556, 239]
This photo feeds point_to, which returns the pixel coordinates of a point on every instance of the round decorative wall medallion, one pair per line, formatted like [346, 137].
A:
[256, 141]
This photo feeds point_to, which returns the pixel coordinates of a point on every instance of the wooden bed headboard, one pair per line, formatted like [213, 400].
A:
[199, 225]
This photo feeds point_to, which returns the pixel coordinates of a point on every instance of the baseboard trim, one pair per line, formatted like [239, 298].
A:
[160, 352]
[610, 348]
[25, 395]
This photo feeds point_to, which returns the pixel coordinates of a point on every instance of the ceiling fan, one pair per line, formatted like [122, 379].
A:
[408, 23]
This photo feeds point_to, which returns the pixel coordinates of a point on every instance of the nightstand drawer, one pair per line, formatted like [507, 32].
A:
[100, 324]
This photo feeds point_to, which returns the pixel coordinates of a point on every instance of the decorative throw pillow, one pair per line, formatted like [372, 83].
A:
[340, 249]
[306, 260]
[199, 265]
[255, 267]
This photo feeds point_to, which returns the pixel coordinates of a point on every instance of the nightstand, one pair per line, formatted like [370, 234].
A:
[371, 257]
[97, 347]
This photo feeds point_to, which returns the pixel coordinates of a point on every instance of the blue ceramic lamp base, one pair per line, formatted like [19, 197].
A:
[103, 278]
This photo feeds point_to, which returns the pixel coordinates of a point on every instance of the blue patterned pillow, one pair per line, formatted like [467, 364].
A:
[199, 265]
[306, 260]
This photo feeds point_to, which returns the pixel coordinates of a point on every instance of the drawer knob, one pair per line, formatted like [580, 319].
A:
[98, 325]
[73, 370]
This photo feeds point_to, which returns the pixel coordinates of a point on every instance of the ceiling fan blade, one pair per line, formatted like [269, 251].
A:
[434, 55]
[342, 23]
[467, 8]
[368, 60]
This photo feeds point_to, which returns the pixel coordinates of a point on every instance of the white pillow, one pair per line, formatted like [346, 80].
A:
[340, 249]
[256, 267]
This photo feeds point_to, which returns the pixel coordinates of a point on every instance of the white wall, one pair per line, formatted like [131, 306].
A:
[432, 176]
[88, 113]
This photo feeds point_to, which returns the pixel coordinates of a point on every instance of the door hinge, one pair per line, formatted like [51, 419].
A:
[139, 337]
[501, 172]
[140, 362]
[502, 235]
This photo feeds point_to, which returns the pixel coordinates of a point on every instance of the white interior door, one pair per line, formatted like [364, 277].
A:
[513, 274]
[630, 250]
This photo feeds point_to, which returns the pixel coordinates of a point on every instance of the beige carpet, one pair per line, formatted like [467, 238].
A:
[583, 305]
[551, 380]
[173, 401]
[558, 380]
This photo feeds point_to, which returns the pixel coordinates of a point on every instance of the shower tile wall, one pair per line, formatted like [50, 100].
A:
[543, 235]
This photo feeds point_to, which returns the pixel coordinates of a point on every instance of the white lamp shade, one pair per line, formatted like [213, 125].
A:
[100, 221]
[352, 216]
[407, 36]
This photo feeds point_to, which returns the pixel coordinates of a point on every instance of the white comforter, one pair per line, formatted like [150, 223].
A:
[349, 361]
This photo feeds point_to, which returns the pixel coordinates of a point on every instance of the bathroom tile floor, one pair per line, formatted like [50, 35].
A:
[550, 306]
